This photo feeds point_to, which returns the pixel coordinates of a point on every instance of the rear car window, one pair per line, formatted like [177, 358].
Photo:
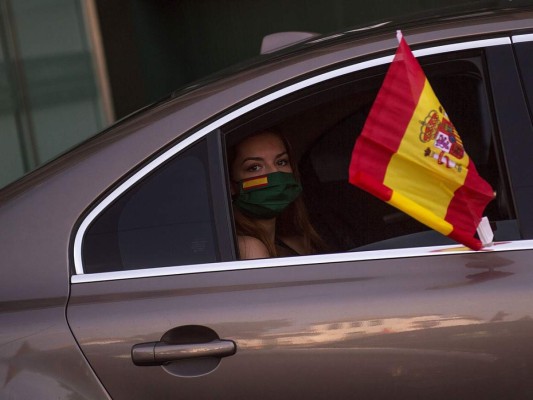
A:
[165, 220]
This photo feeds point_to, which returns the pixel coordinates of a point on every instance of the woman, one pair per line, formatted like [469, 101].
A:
[270, 217]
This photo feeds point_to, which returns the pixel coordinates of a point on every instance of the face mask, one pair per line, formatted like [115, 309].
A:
[266, 196]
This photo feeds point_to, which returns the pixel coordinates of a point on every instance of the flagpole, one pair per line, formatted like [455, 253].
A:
[399, 35]
[485, 233]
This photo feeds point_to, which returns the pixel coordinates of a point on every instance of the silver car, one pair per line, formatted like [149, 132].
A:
[119, 270]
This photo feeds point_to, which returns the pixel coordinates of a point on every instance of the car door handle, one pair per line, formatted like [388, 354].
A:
[159, 353]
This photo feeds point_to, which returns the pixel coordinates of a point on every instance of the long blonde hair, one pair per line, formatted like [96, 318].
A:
[293, 221]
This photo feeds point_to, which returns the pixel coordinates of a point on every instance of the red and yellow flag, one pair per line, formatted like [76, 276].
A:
[255, 182]
[410, 155]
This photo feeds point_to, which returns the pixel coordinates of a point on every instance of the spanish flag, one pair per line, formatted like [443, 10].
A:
[410, 155]
[255, 182]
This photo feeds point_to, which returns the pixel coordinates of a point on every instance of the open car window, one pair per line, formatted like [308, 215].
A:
[322, 124]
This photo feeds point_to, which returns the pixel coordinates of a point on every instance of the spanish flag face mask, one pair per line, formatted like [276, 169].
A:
[266, 196]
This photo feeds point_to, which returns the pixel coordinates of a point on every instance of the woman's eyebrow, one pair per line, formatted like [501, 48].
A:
[251, 159]
[261, 158]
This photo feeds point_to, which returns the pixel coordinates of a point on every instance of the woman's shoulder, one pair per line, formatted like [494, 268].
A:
[251, 247]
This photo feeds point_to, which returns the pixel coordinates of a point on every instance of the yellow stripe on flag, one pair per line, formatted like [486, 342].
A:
[420, 179]
[255, 182]
[420, 213]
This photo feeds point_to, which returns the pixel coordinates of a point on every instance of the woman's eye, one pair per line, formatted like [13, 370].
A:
[253, 168]
[283, 162]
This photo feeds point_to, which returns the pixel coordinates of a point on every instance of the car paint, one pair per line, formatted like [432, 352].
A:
[448, 327]
[284, 318]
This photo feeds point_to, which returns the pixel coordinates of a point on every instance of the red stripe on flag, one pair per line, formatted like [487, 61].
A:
[466, 239]
[373, 187]
[390, 115]
[468, 203]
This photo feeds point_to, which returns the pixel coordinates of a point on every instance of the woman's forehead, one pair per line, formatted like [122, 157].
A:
[262, 143]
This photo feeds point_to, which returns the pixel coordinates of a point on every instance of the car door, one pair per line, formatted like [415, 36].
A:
[162, 308]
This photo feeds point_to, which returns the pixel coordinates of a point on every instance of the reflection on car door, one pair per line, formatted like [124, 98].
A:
[447, 326]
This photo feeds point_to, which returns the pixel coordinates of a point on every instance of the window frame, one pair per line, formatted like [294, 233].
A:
[513, 119]
[212, 130]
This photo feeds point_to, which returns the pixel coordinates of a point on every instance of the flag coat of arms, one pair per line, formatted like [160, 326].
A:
[410, 155]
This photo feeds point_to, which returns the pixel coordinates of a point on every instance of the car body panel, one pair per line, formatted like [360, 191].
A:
[377, 325]
[40, 358]
[445, 326]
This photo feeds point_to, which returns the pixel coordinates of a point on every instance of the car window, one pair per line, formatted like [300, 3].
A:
[173, 216]
[165, 220]
[323, 123]
[524, 54]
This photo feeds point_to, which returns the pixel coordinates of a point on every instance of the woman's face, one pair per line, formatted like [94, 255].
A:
[260, 155]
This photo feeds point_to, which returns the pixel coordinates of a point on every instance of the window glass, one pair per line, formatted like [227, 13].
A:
[511, 108]
[60, 83]
[11, 156]
[165, 220]
[524, 53]
[50, 97]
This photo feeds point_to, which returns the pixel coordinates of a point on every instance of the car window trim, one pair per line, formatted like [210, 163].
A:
[431, 251]
[150, 166]
[218, 188]
[522, 38]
